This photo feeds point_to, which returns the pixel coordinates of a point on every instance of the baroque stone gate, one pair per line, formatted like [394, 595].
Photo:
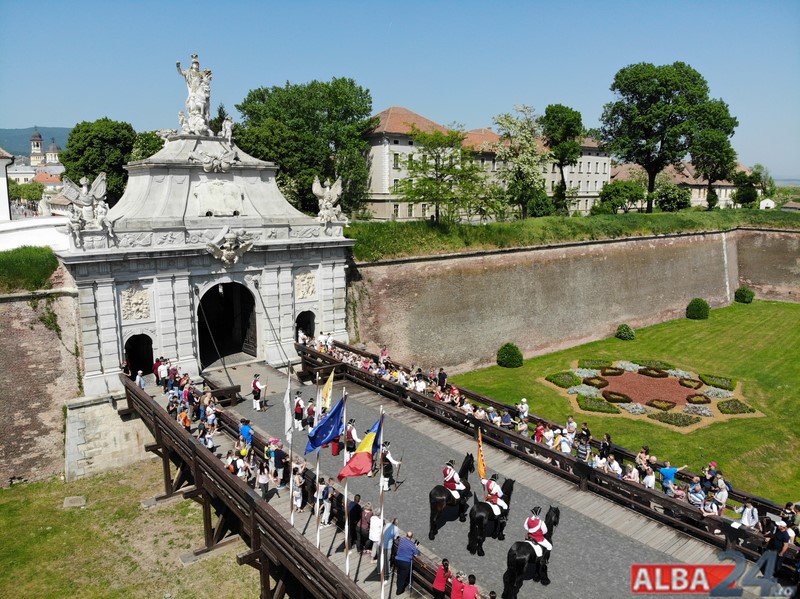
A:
[196, 216]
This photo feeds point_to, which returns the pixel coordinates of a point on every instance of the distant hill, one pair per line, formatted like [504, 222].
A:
[18, 141]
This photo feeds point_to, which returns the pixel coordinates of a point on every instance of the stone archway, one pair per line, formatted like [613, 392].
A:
[226, 319]
[305, 321]
[139, 353]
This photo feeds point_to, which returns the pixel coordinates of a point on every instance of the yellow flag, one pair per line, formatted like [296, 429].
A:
[327, 391]
[481, 460]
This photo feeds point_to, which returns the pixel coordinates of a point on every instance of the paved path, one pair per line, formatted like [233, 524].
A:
[594, 545]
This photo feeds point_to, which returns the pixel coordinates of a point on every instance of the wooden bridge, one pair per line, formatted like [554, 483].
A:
[715, 531]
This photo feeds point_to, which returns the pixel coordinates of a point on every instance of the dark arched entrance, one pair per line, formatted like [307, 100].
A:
[139, 354]
[304, 322]
[227, 323]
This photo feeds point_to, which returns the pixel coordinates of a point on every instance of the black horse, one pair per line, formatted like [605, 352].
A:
[482, 514]
[521, 554]
[440, 497]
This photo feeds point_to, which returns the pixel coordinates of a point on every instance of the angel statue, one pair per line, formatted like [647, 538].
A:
[227, 129]
[231, 248]
[327, 196]
[85, 199]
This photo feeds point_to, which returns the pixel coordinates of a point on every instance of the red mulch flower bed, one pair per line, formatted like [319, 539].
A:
[641, 388]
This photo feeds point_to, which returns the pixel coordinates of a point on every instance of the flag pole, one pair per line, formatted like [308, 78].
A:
[319, 490]
[290, 433]
[380, 485]
[346, 497]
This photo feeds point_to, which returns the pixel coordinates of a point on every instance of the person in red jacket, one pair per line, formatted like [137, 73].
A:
[457, 586]
[443, 574]
[470, 590]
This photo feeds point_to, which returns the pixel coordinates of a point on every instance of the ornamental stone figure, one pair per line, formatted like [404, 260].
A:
[327, 196]
[198, 100]
[88, 209]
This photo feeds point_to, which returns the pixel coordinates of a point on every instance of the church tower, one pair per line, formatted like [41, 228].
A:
[37, 156]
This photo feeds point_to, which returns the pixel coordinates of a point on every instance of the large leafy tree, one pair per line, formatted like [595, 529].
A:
[653, 117]
[311, 129]
[99, 146]
[31, 192]
[671, 198]
[521, 158]
[765, 182]
[712, 152]
[215, 123]
[562, 128]
[619, 195]
[746, 193]
[442, 173]
[145, 145]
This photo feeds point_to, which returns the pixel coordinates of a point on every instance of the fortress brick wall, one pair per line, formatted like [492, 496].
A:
[457, 311]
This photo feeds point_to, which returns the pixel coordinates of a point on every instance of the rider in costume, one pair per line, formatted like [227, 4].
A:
[452, 481]
[536, 529]
[494, 494]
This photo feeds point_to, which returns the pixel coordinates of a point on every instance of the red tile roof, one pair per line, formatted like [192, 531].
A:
[397, 119]
[684, 174]
[480, 138]
[47, 179]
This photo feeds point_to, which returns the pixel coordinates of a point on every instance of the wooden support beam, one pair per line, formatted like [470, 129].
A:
[193, 494]
[152, 448]
[250, 558]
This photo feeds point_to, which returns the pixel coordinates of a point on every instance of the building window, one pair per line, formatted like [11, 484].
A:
[396, 158]
[411, 142]
[552, 185]
[396, 142]
[580, 166]
[571, 169]
[411, 211]
[605, 165]
[410, 159]
[424, 208]
[494, 164]
[396, 210]
[396, 185]
[554, 168]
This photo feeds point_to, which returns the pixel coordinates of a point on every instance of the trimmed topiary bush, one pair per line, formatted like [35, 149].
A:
[744, 295]
[625, 332]
[596, 381]
[594, 404]
[593, 363]
[612, 371]
[691, 383]
[565, 379]
[721, 382]
[734, 406]
[615, 397]
[509, 356]
[697, 309]
[655, 373]
[675, 418]
[697, 398]
[661, 404]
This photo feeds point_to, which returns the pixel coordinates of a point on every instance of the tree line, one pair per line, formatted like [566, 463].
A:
[659, 116]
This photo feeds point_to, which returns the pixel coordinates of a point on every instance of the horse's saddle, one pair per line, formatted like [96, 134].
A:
[494, 506]
[454, 493]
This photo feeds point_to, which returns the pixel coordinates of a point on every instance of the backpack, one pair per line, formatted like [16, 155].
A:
[326, 493]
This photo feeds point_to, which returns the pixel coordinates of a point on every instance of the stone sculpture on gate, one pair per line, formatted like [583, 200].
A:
[198, 83]
[230, 248]
[327, 196]
[88, 209]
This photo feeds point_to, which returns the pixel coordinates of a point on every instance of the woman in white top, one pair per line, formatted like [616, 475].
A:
[649, 479]
[262, 479]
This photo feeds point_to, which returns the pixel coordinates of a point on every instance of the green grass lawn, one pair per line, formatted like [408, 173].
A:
[382, 240]
[757, 344]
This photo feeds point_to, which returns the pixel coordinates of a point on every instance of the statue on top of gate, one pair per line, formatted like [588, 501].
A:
[327, 196]
[198, 84]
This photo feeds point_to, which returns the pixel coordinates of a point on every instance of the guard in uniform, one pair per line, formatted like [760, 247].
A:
[536, 529]
[494, 494]
[387, 476]
[351, 439]
[452, 481]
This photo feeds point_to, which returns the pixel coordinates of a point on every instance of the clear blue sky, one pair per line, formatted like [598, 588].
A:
[63, 62]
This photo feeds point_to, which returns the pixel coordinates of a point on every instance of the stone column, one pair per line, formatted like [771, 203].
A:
[165, 314]
[325, 295]
[184, 304]
[90, 334]
[340, 301]
[108, 324]
[268, 288]
[285, 324]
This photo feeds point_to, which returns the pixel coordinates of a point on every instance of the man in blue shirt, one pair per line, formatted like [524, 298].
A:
[246, 431]
[668, 477]
[406, 550]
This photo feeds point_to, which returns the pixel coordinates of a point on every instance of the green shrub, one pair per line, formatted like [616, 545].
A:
[26, 268]
[697, 309]
[658, 364]
[655, 373]
[722, 382]
[625, 332]
[509, 356]
[744, 295]
[691, 383]
[565, 379]
[612, 371]
[661, 404]
[615, 397]
[675, 418]
[596, 381]
[697, 398]
[734, 406]
[595, 404]
[593, 363]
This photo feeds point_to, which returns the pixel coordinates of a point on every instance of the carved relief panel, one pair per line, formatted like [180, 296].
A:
[135, 302]
[305, 285]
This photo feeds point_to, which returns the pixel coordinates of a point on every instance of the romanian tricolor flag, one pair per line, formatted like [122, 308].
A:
[360, 463]
[481, 460]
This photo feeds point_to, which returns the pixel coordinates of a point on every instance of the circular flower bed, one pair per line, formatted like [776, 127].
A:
[691, 383]
[612, 371]
[596, 381]
[615, 397]
[661, 404]
[697, 398]
[656, 373]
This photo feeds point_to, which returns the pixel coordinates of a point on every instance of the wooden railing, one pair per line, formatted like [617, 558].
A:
[654, 504]
[272, 540]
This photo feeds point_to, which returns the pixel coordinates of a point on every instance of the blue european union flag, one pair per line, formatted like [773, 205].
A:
[330, 427]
